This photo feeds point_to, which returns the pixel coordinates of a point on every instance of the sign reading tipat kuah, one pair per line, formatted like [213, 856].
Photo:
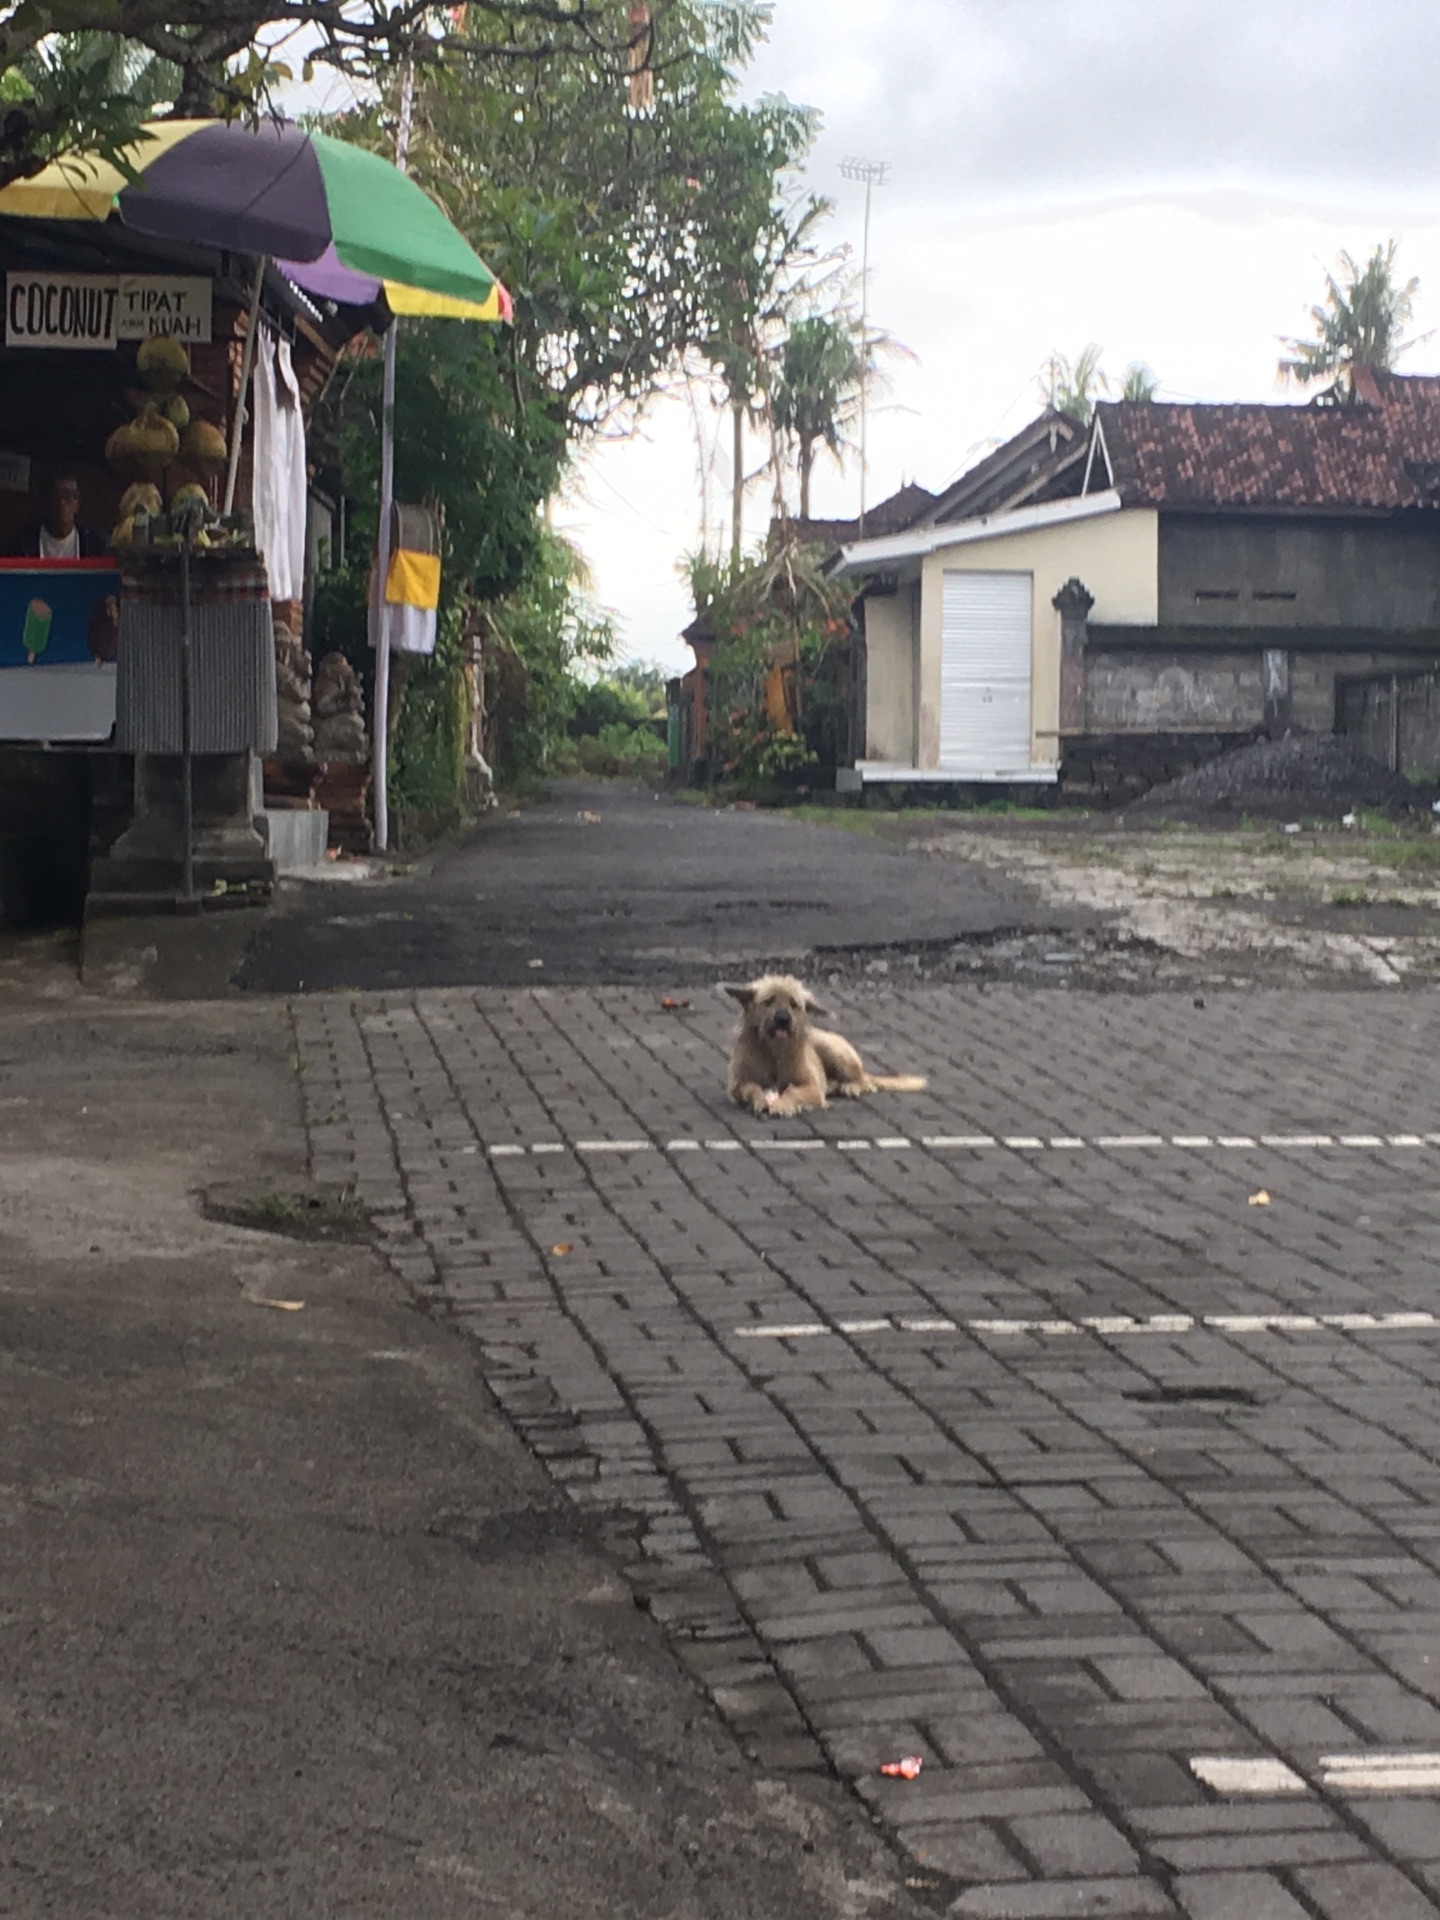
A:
[98, 310]
[153, 303]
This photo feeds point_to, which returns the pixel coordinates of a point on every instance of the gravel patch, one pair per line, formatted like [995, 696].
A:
[1303, 776]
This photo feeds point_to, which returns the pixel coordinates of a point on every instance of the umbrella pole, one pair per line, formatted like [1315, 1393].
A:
[381, 716]
[247, 366]
[187, 755]
[380, 719]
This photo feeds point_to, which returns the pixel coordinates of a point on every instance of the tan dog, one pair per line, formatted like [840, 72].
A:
[781, 1065]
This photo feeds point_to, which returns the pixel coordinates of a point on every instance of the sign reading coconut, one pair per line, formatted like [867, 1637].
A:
[98, 310]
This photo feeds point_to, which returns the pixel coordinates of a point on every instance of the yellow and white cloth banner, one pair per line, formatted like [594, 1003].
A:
[412, 595]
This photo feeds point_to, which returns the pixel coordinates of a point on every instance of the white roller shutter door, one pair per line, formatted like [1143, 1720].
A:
[985, 674]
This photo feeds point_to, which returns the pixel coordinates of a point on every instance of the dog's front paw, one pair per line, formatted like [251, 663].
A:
[849, 1089]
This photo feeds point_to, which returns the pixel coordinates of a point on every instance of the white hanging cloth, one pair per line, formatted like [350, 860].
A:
[281, 487]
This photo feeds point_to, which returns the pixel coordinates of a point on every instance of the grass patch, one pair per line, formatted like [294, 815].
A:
[1413, 853]
[851, 820]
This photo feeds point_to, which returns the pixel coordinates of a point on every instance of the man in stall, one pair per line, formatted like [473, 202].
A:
[60, 534]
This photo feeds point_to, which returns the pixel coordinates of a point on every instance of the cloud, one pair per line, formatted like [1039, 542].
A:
[1013, 101]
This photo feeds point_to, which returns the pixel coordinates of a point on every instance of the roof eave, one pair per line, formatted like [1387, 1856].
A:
[882, 555]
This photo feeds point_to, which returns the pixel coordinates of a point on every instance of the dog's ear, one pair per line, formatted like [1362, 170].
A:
[745, 995]
[813, 1006]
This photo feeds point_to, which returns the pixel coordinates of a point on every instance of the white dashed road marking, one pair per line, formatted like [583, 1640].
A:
[1246, 1776]
[1111, 1325]
[1402, 1773]
[1382, 1772]
[982, 1142]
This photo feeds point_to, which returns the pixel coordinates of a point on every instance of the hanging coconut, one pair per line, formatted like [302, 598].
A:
[163, 363]
[144, 446]
[202, 446]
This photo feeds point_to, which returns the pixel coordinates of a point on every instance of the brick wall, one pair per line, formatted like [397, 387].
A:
[1108, 769]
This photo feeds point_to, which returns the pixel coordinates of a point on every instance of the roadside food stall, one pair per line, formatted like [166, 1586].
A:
[134, 351]
[119, 369]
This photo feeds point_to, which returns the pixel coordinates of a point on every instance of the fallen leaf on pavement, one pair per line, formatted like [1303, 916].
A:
[672, 1005]
[563, 1247]
[906, 1769]
[589, 819]
[1261, 1199]
[281, 1306]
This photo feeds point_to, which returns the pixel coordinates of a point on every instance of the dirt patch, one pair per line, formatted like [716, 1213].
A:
[298, 1213]
[1138, 908]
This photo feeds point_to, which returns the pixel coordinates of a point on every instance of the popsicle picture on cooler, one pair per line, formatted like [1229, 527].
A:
[38, 620]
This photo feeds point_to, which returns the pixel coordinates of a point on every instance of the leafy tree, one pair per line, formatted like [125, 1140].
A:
[775, 614]
[621, 234]
[486, 467]
[818, 390]
[629, 695]
[115, 68]
[767, 276]
[607, 703]
[224, 52]
[485, 461]
[540, 640]
[1360, 323]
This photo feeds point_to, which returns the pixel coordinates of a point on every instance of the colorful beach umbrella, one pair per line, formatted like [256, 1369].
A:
[339, 220]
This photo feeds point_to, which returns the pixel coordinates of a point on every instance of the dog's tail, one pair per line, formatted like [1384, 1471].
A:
[899, 1082]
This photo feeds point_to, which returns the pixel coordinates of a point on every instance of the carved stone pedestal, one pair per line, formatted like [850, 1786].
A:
[145, 867]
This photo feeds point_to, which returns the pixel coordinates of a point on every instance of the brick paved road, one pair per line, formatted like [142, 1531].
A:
[1076, 1467]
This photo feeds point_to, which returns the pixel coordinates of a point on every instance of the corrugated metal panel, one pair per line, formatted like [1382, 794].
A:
[233, 679]
[985, 673]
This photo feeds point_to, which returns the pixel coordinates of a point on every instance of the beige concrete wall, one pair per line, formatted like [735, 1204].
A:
[1116, 555]
[890, 677]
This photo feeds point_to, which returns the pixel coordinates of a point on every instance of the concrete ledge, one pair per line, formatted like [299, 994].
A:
[871, 773]
[296, 837]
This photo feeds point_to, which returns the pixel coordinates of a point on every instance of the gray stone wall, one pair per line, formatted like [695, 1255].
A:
[1164, 681]
[1395, 719]
[1150, 688]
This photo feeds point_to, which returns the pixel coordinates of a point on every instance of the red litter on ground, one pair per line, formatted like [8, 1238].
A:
[905, 1769]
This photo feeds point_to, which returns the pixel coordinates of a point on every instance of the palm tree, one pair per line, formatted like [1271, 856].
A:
[818, 391]
[1360, 324]
[1138, 382]
[109, 63]
[1074, 389]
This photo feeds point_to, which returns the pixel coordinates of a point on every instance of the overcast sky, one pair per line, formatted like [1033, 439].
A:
[1168, 178]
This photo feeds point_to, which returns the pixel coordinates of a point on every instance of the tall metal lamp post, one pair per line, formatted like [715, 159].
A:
[871, 173]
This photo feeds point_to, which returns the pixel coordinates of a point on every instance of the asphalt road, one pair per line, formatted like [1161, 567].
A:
[291, 1623]
[614, 883]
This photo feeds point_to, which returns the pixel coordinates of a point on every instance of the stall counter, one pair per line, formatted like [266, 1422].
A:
[58, 629]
